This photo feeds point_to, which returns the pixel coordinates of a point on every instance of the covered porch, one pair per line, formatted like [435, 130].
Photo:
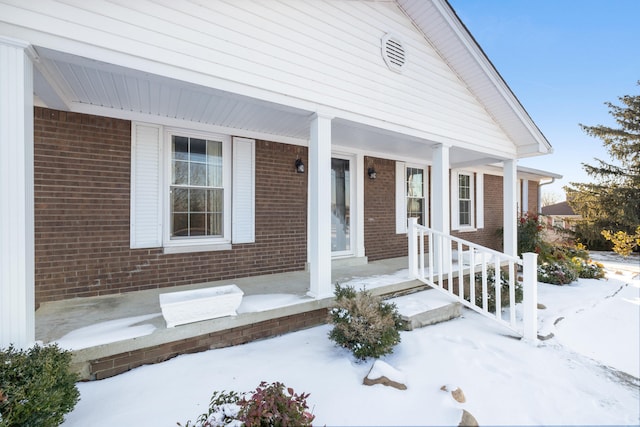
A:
[63, 80]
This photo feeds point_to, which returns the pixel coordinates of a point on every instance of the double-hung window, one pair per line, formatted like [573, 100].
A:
[197, 192]
[467, 200]
[191, 191]
[415, 194]
[411, 191]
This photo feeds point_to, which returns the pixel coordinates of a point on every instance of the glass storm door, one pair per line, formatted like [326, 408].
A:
[340, 207]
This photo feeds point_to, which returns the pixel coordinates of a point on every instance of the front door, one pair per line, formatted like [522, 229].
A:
[341, 229]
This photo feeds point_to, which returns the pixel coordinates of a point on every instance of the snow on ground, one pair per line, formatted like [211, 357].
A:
[586, 374]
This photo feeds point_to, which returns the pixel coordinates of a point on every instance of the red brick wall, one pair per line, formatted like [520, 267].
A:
[493, 210]
[380, 238]
[82, 199]
[533, 197]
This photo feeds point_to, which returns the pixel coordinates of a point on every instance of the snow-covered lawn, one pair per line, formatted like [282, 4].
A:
[586, 374]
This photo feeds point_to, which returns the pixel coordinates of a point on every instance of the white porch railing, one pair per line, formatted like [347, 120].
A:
[475, 276]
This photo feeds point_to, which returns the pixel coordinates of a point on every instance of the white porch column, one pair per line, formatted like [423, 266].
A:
[440, 197]
[320, 207]
[17, 264]
[510, 191]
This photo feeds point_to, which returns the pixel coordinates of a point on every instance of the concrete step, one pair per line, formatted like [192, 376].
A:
[426, 307]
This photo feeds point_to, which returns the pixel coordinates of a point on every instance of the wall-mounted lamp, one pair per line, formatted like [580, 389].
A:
[372, 173]
[299, 165]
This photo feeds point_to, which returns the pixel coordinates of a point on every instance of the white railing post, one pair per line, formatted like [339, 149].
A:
[413, 248]
[530, 296]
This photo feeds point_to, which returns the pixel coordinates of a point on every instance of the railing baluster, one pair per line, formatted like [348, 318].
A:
[485, 302]
[512, 294]
[472, 275]
[421, 259]
[497, 278]
[460, 269]
[431, 249]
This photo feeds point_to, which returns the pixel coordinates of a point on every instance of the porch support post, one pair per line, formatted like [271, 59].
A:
[440, 189]
[440, 208]
[510, 210]
[320, 207]
[17, 260]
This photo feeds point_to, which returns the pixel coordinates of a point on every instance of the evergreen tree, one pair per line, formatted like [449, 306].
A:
[612, 200]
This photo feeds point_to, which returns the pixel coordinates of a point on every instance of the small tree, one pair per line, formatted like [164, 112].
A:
[611, 201]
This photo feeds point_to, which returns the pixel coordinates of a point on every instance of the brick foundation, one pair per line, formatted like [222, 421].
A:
[119, 363]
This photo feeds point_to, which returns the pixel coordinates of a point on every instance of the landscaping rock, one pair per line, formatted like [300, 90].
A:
[468, 420]
[456, 393]
[541, 306]
[385, 374]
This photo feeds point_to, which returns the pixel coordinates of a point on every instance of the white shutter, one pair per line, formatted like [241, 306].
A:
[243, 193]
[479, 200]
[146, 185]
[401, 199]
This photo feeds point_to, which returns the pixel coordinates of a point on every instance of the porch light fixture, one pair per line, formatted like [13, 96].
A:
[372, 173]
[299, 165]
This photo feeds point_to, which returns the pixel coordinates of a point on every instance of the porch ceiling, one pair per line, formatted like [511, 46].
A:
[73, 83]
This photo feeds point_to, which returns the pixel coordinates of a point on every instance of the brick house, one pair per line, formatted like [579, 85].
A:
[156, 145]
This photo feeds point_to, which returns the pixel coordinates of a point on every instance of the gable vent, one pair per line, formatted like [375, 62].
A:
[393, 53]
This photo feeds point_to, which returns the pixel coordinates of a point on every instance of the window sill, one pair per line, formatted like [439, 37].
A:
[466, 229]
[185, 249]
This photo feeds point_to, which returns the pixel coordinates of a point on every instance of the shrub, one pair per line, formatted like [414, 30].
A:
[37, 387]
[491, 290]
[559, 273]
[587, 269]
[529, 234]
[364, 324]
[269, 405]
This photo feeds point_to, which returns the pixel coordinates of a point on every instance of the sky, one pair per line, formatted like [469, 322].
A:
[563, 59]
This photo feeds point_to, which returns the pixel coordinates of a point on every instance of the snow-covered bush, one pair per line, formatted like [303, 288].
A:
[491, 290]
[364, 324]
[559, 273]
[37, 386]
[269, 405]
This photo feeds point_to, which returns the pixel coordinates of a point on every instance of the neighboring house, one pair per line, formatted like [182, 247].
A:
[559, 216]
[154, 144]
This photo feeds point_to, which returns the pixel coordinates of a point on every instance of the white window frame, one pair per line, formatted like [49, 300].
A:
[199, 243]
[476, 209]
[401, 195]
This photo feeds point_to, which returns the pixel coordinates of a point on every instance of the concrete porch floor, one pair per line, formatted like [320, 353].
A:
[54, 320]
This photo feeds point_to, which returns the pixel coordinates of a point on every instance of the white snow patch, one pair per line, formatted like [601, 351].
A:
[383, 369]
[257, 303]
[107, 332]
[420, 302]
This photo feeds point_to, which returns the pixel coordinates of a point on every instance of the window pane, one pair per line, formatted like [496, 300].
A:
[465, 212]
[415, 209]
[197, 224]
[180, 224]
[179, 200]
[198, 174]
[180, 173]
[214, 163]
[215, 224]
[198, 150]
[414, 182]
[197, 200]
[180, 148]
[464, 187]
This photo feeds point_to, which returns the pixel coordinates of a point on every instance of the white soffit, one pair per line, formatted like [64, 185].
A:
[448, 35]
[90, 86]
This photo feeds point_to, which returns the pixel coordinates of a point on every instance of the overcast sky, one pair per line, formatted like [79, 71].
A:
[563, 59]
